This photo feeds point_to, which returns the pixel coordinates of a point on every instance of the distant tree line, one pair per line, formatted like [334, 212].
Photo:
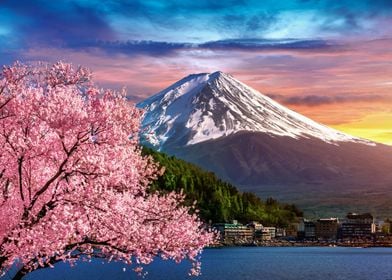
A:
[219, 201]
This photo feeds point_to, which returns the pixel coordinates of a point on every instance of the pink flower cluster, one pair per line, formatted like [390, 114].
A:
[73, 181]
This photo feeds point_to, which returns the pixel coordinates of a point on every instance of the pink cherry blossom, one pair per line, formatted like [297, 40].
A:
[73, 181]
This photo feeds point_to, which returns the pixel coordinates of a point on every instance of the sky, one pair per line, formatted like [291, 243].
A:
[329, 60]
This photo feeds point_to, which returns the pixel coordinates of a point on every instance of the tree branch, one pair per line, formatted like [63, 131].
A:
[20, 171]
[50, 181]
[5, 103]
[74, 247]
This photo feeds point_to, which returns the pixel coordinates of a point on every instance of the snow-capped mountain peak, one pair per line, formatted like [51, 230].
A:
[201, 107]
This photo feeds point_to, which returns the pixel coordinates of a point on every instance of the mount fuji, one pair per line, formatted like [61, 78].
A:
[245, 137]
[205, 106]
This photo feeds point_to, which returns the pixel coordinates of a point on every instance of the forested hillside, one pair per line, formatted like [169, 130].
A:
[217, 200]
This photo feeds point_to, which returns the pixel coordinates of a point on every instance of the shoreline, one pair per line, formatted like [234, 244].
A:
[306, 244]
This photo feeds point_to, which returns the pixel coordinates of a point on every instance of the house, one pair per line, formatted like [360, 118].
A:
[234, 232]
[280, 232]
[327, 229]
[360, 226]
[271, 231]
[261, 232]
[306, 230]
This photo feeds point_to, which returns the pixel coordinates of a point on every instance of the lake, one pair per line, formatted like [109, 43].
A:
[247, 263]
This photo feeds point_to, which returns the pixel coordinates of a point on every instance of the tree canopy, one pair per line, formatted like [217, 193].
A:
[219, 201]
[73, 181]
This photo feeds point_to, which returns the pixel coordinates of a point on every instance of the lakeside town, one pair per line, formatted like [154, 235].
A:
[355, 230]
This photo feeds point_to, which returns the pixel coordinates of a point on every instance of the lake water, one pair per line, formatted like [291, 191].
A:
[248, 263]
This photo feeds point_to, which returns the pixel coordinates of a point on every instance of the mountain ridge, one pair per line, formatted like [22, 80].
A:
[266, 148]
[209, 106]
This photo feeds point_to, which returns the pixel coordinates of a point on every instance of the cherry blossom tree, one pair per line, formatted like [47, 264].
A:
[73, 181]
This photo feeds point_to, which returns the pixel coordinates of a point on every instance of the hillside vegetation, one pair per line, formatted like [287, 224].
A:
[217, 200]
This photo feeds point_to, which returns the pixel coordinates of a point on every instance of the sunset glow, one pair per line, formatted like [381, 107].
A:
[329, 60]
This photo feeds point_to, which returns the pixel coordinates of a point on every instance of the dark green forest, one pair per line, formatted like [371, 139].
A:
[218, 201]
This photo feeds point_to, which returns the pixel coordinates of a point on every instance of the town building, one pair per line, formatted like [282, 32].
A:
[271, 231]
[292, 231]
[327, 229]
[280, 232]
[255, 225]
[358, 226]
[310, 230]
[306, 230]
[234, 232]
[262, 233]
[385, 227]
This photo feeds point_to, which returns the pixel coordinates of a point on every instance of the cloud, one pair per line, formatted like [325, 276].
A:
[159, 28]
[317, 100]
[131, 48]
[272, 44]
[57, 22]
[54, 23]
[161, 48]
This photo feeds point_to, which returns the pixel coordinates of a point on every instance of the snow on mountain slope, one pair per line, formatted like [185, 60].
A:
[205, 106]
